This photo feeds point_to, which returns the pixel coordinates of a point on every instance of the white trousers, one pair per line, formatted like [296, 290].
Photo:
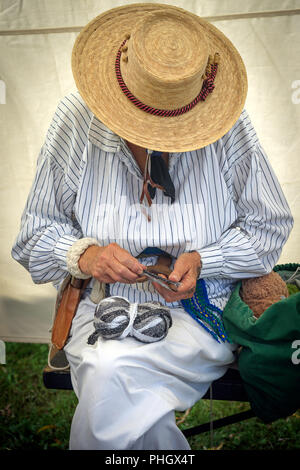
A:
[128, 391]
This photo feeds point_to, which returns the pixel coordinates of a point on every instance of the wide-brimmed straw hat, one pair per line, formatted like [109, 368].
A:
[159, 76]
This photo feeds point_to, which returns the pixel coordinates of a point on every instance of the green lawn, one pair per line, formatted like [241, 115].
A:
[34, 418]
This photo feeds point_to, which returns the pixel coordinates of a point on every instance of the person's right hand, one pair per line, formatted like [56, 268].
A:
[110, 264]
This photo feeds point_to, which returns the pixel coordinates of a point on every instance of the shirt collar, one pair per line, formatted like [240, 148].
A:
[103, 137]
[107, 140]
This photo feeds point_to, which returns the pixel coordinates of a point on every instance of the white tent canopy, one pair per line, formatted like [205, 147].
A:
[36, 40]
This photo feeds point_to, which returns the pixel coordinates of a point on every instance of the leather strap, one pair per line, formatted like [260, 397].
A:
[66, 310]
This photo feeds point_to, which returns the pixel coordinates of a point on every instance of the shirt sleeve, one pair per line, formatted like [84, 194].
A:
[48, 226]
[47, 230]
[252, 246]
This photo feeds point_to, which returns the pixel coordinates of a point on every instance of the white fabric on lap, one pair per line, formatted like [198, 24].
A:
[125, 387]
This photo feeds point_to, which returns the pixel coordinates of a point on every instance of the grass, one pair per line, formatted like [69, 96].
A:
[34, 418]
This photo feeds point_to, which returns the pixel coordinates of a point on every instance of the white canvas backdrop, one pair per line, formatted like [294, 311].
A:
[35, 73]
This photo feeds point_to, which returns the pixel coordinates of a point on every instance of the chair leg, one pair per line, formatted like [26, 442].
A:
[219, 423]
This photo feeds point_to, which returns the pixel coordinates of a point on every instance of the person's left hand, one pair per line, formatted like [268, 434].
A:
[186, 270]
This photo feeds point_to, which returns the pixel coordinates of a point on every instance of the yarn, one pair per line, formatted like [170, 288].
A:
[117, 318]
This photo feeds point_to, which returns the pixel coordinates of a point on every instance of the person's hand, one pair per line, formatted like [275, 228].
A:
[186, 270]
[110, 264]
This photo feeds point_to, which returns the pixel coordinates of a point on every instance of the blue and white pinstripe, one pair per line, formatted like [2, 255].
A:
[229, 205]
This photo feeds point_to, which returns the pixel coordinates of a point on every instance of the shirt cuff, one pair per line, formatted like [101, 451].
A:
[212, 261]
[61, 248]
[74, 253]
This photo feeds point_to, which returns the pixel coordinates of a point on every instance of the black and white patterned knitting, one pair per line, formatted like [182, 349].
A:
[116, 317]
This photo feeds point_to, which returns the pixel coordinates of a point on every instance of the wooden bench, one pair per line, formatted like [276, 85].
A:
[229, 388]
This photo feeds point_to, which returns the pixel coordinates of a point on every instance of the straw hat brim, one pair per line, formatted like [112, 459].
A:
[93, 66]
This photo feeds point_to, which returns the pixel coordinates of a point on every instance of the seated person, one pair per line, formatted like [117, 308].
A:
[151, 78]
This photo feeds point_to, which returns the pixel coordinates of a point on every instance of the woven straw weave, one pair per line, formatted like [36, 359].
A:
[166, 59]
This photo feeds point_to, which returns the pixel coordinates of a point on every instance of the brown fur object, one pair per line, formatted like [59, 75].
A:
[259, 293]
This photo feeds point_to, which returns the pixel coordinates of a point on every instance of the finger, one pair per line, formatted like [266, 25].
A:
[112, 271]
[174, 296]
[170, 298]
[185, 291]
[129, 261]
[120, 273]
[165, 293]
[179, 271]
[121, 257]
[187, 262]
[134, 265]
[187, 284]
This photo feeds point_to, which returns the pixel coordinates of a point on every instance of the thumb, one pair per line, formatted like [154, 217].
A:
[180, 269]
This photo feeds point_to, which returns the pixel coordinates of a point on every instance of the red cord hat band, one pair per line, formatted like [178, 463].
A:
[207, 87]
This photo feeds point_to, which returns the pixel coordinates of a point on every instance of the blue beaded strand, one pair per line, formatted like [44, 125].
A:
[206, 314]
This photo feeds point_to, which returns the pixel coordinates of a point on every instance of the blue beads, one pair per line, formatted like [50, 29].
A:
[206, 314]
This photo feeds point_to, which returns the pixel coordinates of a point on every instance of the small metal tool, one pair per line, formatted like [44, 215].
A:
[166, 283]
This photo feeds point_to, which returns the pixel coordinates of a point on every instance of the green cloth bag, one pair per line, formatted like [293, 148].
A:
[268, 362]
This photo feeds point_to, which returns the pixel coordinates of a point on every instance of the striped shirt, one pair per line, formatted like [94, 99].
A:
[229, 205]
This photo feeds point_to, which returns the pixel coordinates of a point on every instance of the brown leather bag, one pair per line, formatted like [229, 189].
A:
[67, 303]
